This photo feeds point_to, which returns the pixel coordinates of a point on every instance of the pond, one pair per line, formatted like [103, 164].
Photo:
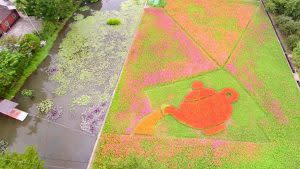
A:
[77, 80]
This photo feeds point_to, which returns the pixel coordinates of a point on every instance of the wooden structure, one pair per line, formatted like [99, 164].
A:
[8, 108]
[7, 18]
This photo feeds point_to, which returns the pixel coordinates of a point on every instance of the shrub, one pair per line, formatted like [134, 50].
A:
[287, 25]
[27, 5]
[113, 21]
[276, 6]
[296, 55]
[292, 41]
[10, 43]
[287, 7]
[48, 29]
[30, 43]
[11, 67]
[45, 106]
[293, 9]
[27, 93]
[282, 19]
[27, 160]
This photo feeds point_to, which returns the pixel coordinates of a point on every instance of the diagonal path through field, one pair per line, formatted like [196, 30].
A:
[216, 32]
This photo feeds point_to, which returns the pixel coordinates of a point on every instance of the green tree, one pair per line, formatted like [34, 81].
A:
[28, 160]
[27, 5]
[296, 55]
[53, 10]
[11, 67]
[30, 43]
[292, 41]
[10, 43]
[293, 9]
[48, 29]
[276, 6]
[287, 25]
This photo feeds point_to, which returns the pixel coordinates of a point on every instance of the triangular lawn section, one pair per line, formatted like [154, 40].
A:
[260, 65]
[216, 25]
[243, 125]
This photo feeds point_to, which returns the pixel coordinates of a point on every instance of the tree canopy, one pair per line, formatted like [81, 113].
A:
[48, 10]
[28, 160]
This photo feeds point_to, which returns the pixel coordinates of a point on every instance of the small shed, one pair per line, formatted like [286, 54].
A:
[8, 108]
[7, 18]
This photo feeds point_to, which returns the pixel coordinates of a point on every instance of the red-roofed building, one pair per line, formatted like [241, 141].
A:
[7, 18]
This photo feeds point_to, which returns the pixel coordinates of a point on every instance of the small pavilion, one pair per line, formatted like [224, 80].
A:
[8, 108]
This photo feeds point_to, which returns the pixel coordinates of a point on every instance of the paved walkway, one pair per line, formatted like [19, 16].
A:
[24, 26]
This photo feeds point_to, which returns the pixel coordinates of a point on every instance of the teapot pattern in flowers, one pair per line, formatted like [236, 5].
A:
[202, 108]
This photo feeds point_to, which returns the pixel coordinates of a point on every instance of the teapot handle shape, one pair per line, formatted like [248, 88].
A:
[230, 94]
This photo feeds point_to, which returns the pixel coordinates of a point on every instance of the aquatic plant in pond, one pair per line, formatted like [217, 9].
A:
[84, 8]
[27, 93]
[45, 106]
[82, 100]
[51, 70]
[113, 21]
[78, 17]
[91, 56]
[54, 114]
[92, 118]
[3, 146]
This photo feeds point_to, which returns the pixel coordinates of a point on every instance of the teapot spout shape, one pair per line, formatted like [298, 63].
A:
[170, 110]
[147, 124]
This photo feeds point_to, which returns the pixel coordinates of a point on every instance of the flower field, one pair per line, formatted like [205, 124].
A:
[160, 53]
[184, 56]
[214, 25]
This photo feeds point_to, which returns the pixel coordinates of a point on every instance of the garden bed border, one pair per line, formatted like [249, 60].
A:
[293, 69]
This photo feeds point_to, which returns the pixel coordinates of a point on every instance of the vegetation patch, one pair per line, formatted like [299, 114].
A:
[82, 100]
[45, 106]
[27, 93]
[113, 21]
[78, 17]
[157, 3]
[27, 160]
[84, 8]
[287, 19]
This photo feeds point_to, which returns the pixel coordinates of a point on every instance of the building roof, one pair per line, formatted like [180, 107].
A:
[6, 106]
[4, 12]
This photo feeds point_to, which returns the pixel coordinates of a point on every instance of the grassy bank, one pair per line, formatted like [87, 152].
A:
[39, 57]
